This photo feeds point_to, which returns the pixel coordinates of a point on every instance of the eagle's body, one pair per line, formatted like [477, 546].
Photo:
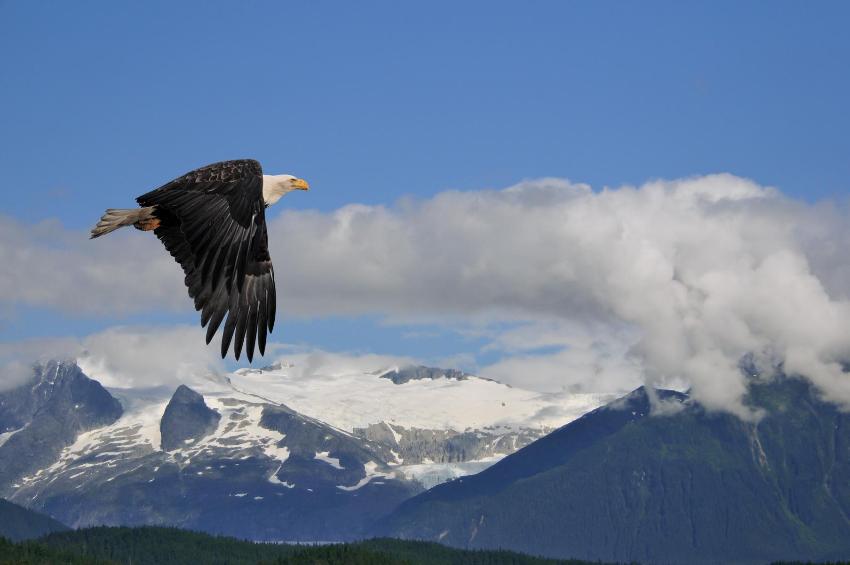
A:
[212, 221]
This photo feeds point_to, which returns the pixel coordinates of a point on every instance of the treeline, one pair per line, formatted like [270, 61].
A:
[810, 563]
[35, 553]
[171, 546]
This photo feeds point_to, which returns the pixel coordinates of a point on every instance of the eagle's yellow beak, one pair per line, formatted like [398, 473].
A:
[300, 184]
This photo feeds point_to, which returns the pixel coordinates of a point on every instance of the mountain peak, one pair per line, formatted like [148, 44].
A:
[186, 419]
[401, 375]
[186, 395]
[63, 383]
[56, 371]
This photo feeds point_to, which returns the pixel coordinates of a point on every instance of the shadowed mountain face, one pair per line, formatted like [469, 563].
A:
[18, 523]
[619, 484]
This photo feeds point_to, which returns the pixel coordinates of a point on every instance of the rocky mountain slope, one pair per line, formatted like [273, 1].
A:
[621, 484]
[40, 419]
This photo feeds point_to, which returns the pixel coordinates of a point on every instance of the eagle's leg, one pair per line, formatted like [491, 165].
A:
[147, 224]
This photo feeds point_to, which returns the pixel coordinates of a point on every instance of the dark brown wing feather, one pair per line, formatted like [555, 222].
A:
[213, 224]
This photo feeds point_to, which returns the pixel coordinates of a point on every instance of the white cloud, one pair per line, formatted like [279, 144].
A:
[667, 282]
[46, 265]
[124, 357]
[309, 363]
[573, 358]
[167, 356]
[148, 356]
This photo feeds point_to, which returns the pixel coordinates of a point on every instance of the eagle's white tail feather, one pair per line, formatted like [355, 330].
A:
[115, 218]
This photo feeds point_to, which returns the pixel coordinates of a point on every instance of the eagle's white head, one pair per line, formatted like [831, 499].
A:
[275, 186]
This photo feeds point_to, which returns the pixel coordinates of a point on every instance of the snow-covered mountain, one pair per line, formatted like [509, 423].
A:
[277, 453]
[412, 397]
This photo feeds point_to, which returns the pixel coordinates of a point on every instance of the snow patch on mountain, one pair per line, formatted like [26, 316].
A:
[371, 473]
[238, 433]
[432, 474]
[332, 461]
[5, 436]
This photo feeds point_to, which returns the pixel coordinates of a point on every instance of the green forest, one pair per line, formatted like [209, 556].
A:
[171, 546]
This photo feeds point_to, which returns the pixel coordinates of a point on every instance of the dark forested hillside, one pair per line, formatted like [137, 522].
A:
[18, 523]
[619, 484]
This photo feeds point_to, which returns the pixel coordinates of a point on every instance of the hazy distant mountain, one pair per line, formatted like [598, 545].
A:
[18, 523]
[687, 487]
[401, 375]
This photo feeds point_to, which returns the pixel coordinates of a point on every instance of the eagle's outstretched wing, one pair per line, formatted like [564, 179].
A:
[213, 223]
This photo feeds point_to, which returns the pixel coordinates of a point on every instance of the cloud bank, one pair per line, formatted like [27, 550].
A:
[669, 282]
[703, 270]
[119, 356]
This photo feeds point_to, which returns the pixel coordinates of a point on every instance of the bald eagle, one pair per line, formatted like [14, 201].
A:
[212, 220]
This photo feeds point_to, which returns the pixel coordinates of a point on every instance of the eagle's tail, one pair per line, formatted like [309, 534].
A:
[113, 218]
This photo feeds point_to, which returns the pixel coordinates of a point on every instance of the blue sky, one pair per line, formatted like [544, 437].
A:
[377, 101]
